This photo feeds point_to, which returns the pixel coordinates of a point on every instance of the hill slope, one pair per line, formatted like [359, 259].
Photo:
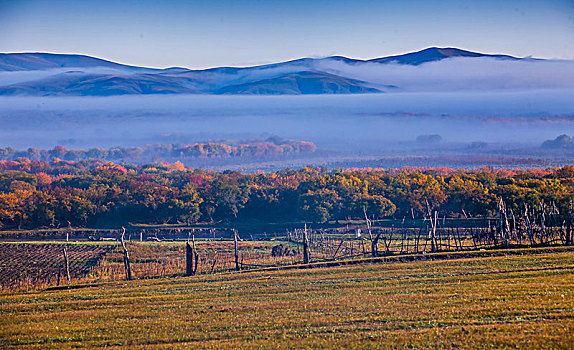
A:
[80, 75]
[79, 84]
[41, 61]
[301, 83]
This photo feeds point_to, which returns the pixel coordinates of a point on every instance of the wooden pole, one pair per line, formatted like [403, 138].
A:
[542, 221]
[306, 250]
[188, 259]
[195, 254]
[235, 239]
[418, 239]
[337, 251]
[126, 256]
[67, 264]
[352, 246]
[403, 238]
[214, 262]
[569, 229]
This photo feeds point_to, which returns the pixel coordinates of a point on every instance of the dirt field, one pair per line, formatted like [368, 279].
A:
[33, 265]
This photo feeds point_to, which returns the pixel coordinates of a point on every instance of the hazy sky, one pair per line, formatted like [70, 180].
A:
[199, 34]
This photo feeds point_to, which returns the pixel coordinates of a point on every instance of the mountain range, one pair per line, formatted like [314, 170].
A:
[46, 74]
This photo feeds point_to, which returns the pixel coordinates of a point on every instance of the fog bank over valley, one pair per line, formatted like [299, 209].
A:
[340, 125]
[438, 102]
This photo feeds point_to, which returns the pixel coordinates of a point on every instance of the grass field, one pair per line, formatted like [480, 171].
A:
[518, 301]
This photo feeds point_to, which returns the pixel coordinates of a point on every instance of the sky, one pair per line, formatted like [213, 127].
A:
[202, 34]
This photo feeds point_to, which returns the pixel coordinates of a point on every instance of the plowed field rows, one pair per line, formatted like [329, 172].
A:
[25, 264]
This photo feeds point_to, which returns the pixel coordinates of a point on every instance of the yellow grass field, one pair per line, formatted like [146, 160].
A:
[519, 301]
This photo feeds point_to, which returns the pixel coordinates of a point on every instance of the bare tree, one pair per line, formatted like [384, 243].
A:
[528, 227]
[503, 217]
[432, 232]
[542, 221]
[375, 239]
[191, 256]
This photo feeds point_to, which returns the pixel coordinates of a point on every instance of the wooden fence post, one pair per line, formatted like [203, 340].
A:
[418, 239]
[235, 239]
[126, 256]
[67, 263]
[306, 250]
[337, 251]
[569, 229]
[195, 254]
[188, 259]
[214, 262]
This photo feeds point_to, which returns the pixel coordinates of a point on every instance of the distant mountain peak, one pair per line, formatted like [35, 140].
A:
[28, 61]
[433, 54]
[81, 75]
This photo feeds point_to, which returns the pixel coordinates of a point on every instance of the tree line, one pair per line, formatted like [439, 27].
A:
[35, 194]
[270, 147]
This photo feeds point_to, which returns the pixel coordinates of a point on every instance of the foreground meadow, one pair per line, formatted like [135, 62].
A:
[519, 301]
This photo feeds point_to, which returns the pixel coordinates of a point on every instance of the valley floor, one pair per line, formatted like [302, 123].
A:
[519, 301]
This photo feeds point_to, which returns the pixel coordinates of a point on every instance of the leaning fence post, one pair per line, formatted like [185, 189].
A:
[338, 248]
[214, 262]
